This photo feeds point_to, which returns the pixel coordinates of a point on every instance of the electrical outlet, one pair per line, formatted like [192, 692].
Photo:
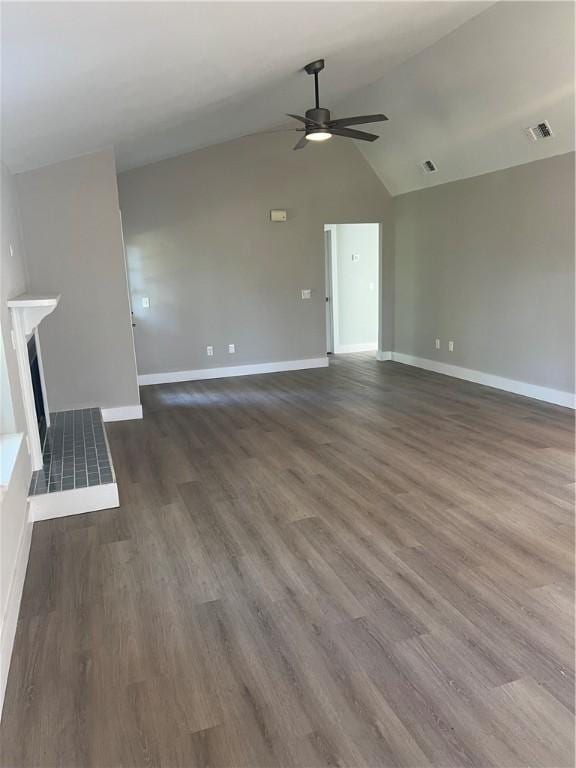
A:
[306, 293]
[437, 343]
[231, 348]
[11, 251]
[209, 350]
[450, 346]
[145, 302]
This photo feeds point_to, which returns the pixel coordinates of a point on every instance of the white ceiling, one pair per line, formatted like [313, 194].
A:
[159, 79]
[464, 101]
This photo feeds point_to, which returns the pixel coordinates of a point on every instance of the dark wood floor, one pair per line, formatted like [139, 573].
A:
[367, 565]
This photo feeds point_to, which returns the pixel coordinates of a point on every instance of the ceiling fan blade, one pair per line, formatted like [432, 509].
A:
[362, 135]
[360, 120]
[304, 120]
[302, 143]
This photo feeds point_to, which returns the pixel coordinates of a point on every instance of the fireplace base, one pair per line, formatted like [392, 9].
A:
[77, 473]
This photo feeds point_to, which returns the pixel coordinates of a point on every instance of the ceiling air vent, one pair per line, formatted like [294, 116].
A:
[428, 166]
[540, 131]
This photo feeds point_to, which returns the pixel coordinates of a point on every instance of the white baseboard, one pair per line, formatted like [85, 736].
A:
[123, 413]
[77, 501]
[344, 349]
[548, 395]
[383, 356]
[10, 617]
[232, 370]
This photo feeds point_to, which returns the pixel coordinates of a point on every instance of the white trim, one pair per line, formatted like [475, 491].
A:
[10, 617]
[123, 413]
[232, 370]
[332, 228]
[42, 380]
[380, 288]
[27, 311]
[329, 290]
[27, 391]
[383, 356]
[130, 307]
[370, 346]
[77, 501]
[535, 391]
[32, 309]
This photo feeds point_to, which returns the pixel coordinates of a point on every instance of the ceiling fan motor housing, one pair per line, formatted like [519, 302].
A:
[318, 115]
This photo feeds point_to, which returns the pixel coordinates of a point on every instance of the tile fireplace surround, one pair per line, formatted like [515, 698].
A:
[75, 453]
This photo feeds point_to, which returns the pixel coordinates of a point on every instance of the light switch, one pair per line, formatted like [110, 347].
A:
[306, 293]
[437, 343]
[278, 215]
[209, 350]
[355, 257]
[450, 346]
[145, 302]
[231, 348]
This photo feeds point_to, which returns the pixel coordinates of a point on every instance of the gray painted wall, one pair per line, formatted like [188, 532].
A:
[73, 239]
[489, 263]
[14, 524]
[13, 281]
[200, 245]
[357, 283]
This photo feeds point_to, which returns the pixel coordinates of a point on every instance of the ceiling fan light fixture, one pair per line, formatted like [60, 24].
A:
[318, 124]
[320, 135]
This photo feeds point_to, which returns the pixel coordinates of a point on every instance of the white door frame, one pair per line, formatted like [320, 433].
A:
[332, 288]
[336, 346]
[328, 235]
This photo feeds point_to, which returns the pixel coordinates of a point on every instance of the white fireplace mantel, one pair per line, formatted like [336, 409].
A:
[33, 308]
[28, 310]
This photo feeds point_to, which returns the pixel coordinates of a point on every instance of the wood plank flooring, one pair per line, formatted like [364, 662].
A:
[366, 565]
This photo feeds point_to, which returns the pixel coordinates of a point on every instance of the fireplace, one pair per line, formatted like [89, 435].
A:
[27, 312]
[37, 387]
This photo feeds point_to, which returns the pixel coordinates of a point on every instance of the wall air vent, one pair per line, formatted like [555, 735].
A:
[428, 166]
[540, 131]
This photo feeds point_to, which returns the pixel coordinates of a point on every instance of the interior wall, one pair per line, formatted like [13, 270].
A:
[217, 271]
[14, 281]
[488, 262]
[15, 528]
[73, 238]
[356, 285]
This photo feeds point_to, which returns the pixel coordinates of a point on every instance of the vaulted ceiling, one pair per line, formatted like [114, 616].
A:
[458, 80]
[156, 79]
[465, 101]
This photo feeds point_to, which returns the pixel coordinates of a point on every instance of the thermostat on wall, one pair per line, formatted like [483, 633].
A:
[277, 215]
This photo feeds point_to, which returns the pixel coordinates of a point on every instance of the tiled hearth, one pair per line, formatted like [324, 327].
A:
[75, 453]
[77, 474]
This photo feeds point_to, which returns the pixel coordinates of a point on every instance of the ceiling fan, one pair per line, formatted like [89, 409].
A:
[317, 123]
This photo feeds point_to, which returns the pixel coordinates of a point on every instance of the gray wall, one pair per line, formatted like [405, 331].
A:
[200, 245]
[15, 528]
[13, 281]
[357, 283]
[73, 239]
[489, 263]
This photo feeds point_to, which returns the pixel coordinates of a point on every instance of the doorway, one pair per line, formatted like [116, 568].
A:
[352, 273]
